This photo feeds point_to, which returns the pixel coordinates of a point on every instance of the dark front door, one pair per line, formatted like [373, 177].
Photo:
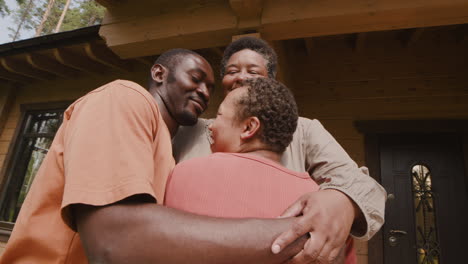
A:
[426, 212]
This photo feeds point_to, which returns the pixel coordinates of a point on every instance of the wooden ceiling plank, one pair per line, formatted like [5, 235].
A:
[106, 57]
[22, 68]
[80, 63]
[43, 63]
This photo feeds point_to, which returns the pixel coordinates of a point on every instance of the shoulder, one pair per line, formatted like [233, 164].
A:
[198, 129]
[306, 123]
[128, 91]
[192, 141]
[127, 95]
[194, 164]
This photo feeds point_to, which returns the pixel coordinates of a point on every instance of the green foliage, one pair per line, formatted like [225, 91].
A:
[81, 13]
[22, 18]
[87, 13]
[4, 10]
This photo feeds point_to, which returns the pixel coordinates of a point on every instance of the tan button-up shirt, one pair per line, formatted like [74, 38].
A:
[314, 150]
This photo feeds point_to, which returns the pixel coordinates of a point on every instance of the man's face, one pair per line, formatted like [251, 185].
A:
[188, 89]
[226, 129]
[242, 65]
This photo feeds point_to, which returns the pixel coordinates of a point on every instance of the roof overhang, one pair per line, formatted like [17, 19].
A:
[61, 55]
[148, 27]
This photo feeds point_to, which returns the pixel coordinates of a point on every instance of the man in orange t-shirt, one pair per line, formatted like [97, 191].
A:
[95, 196]
[244, 178]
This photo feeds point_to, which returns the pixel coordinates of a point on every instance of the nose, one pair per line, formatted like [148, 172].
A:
[204, 92]
[240, 78]
[242, 75]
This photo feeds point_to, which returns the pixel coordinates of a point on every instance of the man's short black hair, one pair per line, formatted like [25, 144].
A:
[254, 44]
[274, 105]
[171, 58]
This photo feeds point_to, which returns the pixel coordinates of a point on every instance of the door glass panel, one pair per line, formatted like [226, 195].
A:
[428, 250]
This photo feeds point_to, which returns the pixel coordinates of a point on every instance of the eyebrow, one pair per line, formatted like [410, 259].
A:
[200, 71]
[249, 65]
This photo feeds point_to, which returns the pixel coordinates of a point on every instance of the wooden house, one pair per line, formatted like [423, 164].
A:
[388, 78]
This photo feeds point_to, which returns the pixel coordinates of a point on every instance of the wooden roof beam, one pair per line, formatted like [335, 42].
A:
[146, 61]
[13, 77]
[414, 36]
[217, 51]
[106, 57]
[309, 45]
[304, 18]
[77, 62]
[109, 3]
[360, 42]
[283, 72]
[43, 63]
[22, 68]
[207, 24]
[195, 26]
[461, 34]
[248, 12]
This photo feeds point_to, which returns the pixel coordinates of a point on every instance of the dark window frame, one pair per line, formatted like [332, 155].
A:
[13, 154]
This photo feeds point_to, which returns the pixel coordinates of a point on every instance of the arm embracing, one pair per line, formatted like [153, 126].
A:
[135, 232]
[328, 162]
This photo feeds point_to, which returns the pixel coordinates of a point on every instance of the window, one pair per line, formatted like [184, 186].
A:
[31, 144]
[428, 249]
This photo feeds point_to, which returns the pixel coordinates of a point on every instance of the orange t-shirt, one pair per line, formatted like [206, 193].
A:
[113, 144]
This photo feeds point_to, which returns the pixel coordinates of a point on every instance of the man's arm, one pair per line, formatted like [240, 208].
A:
[135, 232]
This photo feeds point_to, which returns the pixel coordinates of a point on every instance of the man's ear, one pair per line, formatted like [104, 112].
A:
[251, 126]
[158, 73]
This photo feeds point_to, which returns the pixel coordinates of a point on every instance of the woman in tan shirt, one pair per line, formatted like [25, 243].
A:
[348, 200]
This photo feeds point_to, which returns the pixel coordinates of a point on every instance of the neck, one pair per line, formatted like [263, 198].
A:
[262, 152]
[171, 123]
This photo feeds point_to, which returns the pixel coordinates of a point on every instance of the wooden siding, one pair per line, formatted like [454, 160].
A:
[384, 81]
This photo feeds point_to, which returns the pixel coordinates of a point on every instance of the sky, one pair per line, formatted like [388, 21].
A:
[7, 21]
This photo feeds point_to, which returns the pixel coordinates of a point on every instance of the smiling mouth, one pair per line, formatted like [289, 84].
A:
[199, 105]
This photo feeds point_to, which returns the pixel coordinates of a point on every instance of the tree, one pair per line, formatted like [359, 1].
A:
[23, 16]
[4, 10]
[62, 16]
[87, 13]
[44, 16]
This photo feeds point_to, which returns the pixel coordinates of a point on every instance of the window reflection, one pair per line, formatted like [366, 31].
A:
[38, 132]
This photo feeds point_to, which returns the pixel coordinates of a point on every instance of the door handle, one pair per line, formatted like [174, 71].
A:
[398, 232]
